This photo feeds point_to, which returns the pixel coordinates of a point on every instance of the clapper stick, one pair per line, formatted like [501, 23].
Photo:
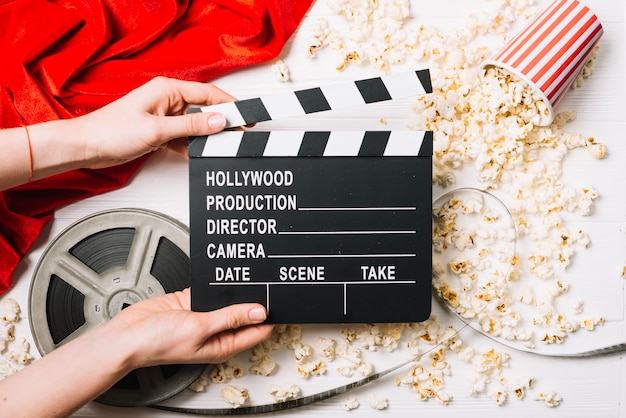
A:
[318, 99]
[313, 144]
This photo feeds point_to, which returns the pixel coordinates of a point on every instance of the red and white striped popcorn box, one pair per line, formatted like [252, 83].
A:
[551, 51]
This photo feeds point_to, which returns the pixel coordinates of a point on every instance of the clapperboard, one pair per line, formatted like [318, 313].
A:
[318, 226]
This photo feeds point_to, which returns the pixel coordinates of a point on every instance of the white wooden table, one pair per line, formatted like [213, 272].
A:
[589, 387]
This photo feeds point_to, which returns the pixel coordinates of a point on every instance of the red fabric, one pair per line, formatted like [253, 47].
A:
[64, 58]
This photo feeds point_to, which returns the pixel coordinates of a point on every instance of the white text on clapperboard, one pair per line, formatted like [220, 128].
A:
[260, 226]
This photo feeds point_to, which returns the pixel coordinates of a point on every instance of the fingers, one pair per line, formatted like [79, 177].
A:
[172, 122]
[239, 340]
[237, 316]
[192, 124]
[196, 93]
[173, 94]
[233, 329]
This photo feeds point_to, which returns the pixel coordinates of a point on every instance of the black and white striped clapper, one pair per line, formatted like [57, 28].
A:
[319, 99]
[313, 144]
[320, 227]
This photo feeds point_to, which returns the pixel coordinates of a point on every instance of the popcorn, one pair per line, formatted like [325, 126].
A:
[7, 334]
[350, 403]
[201, 383]
[378, 402]
[498, 396]
[281, 71]
[488, 370]
[375, 34]
[578, 306]
[427, 382]
[519, 386]
[16, 351]
[20, 353]
[443, 397]
[352, 361]
[467, 354]
[351, 354]
[326, 347]
[487, 119]
[550, 398]
[479, 384]
[226, 371]
[491, 362]
[588, 68]
[346, 370]
[285, 335]
[264, 366]
[283, 393]
[374, 336]
[365, 369]
[289, 336]
[311, 368]
[349, 334]
[319, 37]
[302, 352]
[590, 324]
[11, 310]
[479, 265]
[235, 396]
[597, 151]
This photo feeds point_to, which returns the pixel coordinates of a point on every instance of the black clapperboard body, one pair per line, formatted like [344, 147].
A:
[318, 226]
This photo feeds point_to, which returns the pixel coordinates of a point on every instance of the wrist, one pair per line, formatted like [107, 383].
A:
[113, 349]
[56, 147]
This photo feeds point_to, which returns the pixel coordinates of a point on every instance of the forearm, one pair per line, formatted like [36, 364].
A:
[46, 149]
[146, 119]
[67, 378]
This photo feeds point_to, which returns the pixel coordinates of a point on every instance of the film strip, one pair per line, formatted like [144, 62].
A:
[318, 99]
[94, 269]
[340, 390]
[283, 406]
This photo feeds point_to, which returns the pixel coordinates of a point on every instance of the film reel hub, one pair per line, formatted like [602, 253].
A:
[121, 300]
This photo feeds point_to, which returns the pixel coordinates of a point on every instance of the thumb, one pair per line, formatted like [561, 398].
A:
[192, 124]
[233, 329]
[235, 316]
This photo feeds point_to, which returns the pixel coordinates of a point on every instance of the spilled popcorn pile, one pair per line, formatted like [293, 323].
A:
[375, 36]
[474, 243]
[427, 344]
[488, 118]
[15, 352]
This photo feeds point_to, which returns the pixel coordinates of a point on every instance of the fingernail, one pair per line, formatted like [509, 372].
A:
[217, 121]
[257, 314]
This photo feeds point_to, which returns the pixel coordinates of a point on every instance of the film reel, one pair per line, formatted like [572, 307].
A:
[98, 266]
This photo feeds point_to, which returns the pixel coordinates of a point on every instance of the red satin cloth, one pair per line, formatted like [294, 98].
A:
[60, 59]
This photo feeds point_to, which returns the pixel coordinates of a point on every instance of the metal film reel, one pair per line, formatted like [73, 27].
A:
[98, 266]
